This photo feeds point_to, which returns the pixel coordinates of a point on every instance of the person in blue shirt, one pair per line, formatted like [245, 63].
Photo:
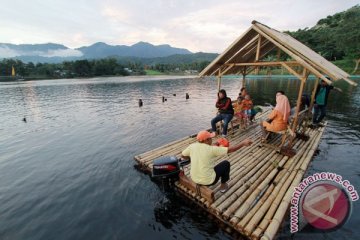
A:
[321, 98]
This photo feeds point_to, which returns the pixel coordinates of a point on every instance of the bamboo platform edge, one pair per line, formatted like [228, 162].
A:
[304, 161]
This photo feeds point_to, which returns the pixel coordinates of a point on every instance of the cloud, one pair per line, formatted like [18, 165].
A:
[62, 53]
[201, 25]
[8, 52]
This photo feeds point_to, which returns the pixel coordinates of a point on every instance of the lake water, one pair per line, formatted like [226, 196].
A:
[68, 172]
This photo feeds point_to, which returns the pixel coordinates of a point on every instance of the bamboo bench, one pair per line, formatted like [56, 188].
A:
[198, 189]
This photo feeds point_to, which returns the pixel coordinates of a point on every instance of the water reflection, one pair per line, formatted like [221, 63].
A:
[68, 172]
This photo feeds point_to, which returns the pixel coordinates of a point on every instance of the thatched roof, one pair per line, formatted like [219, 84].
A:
[249, 50]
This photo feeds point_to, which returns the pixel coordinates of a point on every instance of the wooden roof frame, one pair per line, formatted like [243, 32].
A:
[248, 51]
[257, 41]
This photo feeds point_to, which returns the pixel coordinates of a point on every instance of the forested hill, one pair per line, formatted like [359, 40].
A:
[335, 37]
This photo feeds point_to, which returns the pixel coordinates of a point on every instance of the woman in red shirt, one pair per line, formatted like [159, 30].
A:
[225, 111]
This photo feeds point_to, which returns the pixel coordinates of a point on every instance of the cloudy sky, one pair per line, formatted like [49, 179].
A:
[198, 25]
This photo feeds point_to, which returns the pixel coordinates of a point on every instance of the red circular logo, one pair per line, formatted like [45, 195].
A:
[325, 206]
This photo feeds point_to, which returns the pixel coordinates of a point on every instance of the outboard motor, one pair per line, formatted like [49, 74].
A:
[168, 168]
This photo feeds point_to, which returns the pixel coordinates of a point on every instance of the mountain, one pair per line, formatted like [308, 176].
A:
[54, 53]
[140, 49]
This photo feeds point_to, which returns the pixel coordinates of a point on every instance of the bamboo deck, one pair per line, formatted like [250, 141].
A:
[261, 180]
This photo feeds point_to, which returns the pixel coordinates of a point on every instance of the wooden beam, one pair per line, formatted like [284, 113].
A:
[204, 191]
[264, 42]
[258, 49]
[350, 82]
[227, 69]
[298, 102]
[213, 63]
[313, 95]
[278, 54]
[314, 60]
[263, 54]
[219, 79]
[249, 70]
[263, 63]
[293, 55]
[243, 48]
[290, 70]
[244, 75]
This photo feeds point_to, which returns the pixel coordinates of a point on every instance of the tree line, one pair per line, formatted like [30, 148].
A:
[68, 69]
[91, 68]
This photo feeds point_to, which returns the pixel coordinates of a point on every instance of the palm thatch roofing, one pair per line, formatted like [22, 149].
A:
[250, 50]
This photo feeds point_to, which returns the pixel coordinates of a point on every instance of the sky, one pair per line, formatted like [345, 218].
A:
[197, 25]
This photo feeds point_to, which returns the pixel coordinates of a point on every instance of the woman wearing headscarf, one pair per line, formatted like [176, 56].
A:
[278, 118]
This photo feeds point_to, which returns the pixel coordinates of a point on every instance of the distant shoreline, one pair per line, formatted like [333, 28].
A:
[154, 77]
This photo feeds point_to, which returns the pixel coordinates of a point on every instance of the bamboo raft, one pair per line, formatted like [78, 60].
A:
[261, 180]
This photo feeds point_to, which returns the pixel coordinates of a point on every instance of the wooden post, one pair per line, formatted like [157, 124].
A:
[219, 79]
[313, 95]
[298, 103]
[258, 54]
[278, 54]
[243, 79]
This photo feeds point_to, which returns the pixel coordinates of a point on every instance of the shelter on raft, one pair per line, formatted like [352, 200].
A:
[261, 180]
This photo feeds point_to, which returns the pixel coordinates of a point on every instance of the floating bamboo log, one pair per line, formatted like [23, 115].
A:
[282, 209]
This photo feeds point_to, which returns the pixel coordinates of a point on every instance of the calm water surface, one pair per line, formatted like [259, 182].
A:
[68, 173]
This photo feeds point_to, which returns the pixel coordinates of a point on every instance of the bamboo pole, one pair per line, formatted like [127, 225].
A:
[235, 219]
[282, 208]
[294, 56]
[161, 148]
[278, 54]
[244, 175]
[284, 181]
[298, 103]
[261, 172]
[262, 201]
[268, 64]
[258, 54]
[172, 150]
[219, 80]
[243, 77]
[290, 70]
[241, 180]
[247, 203]
[245, 192]
[275, 203]
[252, 41]
[313, 95]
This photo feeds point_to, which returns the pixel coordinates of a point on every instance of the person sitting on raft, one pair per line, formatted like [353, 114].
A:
[247, 105]
[242, 94]
[278, 119]
[202, 155]
[226, 112]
